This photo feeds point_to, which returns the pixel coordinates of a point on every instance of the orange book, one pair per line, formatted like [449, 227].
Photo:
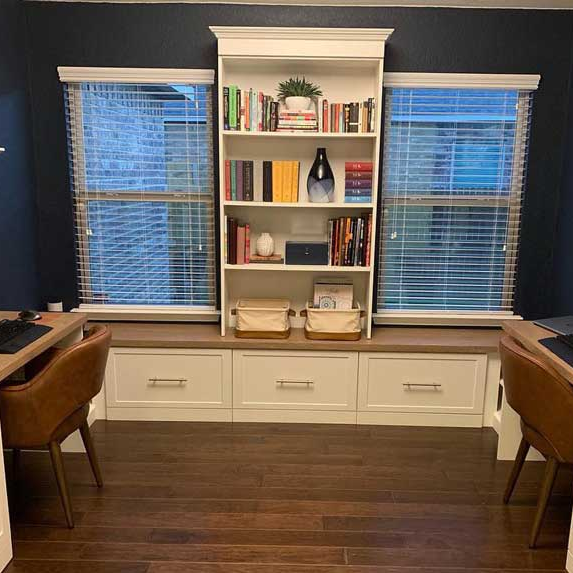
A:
[295, 177]
[287, 182]
[277, 181]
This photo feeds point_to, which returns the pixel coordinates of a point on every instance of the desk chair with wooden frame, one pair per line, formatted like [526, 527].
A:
[544, 402]
[55, 403]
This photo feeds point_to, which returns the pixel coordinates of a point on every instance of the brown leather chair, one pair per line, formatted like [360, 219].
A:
[544, 401]
[55, 403]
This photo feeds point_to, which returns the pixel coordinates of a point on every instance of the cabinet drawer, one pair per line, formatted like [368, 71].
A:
[433, 383]
[295, 380]
[173, 378]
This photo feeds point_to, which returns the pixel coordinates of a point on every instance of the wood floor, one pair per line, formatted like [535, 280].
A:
[270, 498]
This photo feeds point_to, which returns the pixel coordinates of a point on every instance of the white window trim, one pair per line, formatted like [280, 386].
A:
[483, 81]
[148, 313]
[136, 75]
[68, 74]
[436, 80]
[425, 318]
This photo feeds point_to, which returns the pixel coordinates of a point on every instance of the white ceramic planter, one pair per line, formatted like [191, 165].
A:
[265, 245]
[297, 103]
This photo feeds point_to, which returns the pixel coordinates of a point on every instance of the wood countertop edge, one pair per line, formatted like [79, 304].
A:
[137, 335]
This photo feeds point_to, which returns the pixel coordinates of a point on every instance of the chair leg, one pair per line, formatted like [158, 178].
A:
[551, 467]
[58, 464]
[516, 469]
[88, 443]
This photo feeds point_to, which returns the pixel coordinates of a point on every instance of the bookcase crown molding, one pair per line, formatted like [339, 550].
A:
[301, 42]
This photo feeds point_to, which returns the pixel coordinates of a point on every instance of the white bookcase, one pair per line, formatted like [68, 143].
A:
[348, 65]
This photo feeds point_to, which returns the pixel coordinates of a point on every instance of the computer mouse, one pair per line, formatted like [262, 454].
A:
[29, 315]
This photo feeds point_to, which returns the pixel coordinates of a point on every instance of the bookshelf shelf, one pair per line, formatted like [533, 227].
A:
[296, 268]
[299, 134]
[348, 65]
[299, 205]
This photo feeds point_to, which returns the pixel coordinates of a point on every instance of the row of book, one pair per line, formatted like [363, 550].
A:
[238, 180]
[358, 182]
[353, 117]
[238, 242]
[249, 110]
[349, 241]
[280, 181]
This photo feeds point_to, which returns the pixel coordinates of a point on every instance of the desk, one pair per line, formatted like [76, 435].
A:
[529, 334]
[66, 329]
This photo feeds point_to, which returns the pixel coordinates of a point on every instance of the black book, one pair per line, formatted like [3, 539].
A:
[369, 116]
[238, 110]
[225, 108]
[346, 117]
[247, 180]
[232, 241]
[267, 181]
[353, 121]
[274, 115]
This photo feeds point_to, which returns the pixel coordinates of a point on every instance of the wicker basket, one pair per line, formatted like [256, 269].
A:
[332, 324]
[263, 318]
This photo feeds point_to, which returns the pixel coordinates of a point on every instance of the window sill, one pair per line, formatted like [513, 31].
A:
[494, 319]
[143, 314]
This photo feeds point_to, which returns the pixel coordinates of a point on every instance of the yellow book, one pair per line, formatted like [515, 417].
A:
[295, 177]
[277, 181]
[287, 180]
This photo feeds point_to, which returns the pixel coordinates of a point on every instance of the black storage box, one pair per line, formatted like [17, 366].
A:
[306, 253]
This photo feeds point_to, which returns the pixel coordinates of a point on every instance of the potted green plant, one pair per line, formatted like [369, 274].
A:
[297, 93]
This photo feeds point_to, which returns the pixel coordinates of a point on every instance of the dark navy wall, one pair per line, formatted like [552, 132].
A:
[563, 259]
[425, 40]
[18, 276]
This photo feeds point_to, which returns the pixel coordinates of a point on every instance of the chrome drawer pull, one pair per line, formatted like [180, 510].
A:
[179, 381]
[282, 381]
[410, 385]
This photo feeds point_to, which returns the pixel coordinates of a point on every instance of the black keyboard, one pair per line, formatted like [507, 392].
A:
[566, 339]
[17, 334]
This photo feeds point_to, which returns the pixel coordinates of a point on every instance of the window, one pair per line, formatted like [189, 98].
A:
[141, 161]
[454, 168]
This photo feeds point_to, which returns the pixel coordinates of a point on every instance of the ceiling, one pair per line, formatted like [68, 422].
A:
[499, 4]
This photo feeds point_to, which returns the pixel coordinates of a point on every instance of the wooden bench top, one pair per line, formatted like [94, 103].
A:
[384, 339]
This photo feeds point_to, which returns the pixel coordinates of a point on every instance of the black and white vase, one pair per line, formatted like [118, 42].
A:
[320, 182]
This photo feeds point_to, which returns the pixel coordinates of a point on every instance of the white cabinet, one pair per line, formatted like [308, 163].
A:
[314, 382]
[171, 384]
[408, 388]
[443, 389]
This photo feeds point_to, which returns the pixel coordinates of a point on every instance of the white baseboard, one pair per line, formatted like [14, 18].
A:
[171, 414]
[294, 416]
[420, 419]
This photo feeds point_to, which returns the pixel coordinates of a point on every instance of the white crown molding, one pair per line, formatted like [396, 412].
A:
[489, 4]
[484, 81]
[136, 75]
[317, 34]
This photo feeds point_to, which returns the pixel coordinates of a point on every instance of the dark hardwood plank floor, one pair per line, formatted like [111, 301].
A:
[281, 498]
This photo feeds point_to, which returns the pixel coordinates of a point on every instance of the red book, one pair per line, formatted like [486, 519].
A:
[358, 175]
[261, 107]
[227, 180]
[358, 166]
[325, 116]
[358, 183]
[247, 244]
[241, 245]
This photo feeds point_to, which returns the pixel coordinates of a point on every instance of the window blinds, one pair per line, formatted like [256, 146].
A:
[141, 163]
[453, 179]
